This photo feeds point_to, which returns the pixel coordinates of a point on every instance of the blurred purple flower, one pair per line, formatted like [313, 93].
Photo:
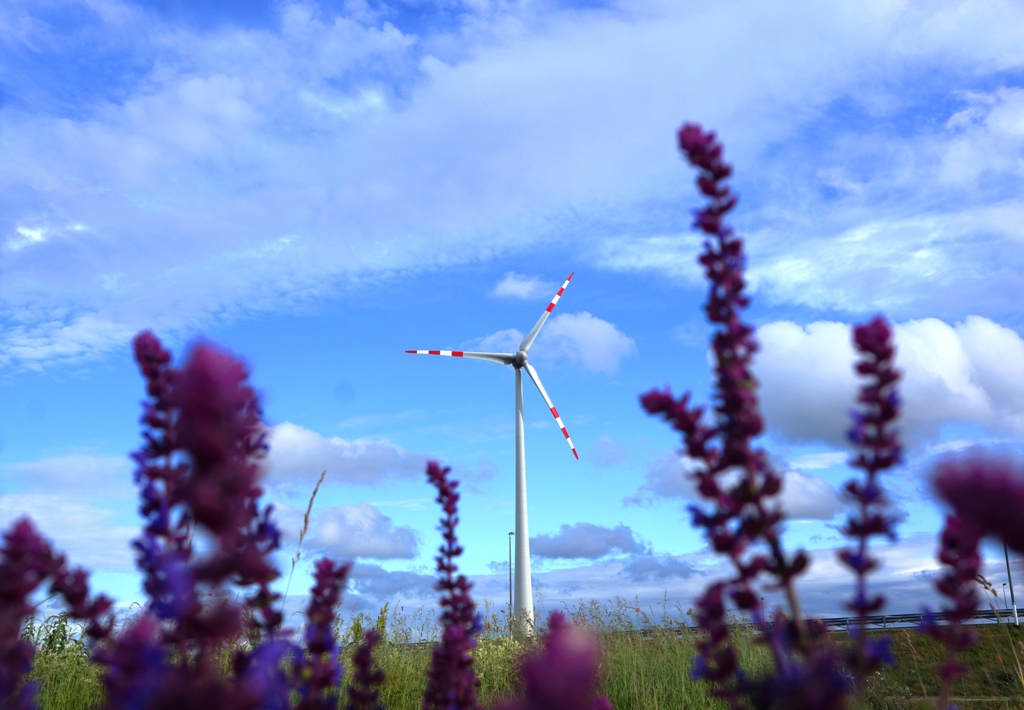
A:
[958, 551]
[564, 675]
[198, 467]
[135, 666]
[26, 562]
[985, 489]
[263, 682]
[362, 691]
[323, 671]
[451, 681]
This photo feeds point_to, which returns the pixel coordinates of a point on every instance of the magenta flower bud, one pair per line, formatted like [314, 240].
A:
[985, 489]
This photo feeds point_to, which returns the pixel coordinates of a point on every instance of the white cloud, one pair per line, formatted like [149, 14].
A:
[515, 285]
[585, 540]
[673, 255]
[804, 496]
[593, 343]
[375, 581]
[87, 335]
[382, 150]
[27, 236]
[77, 473]
[90, 535]
[347, 532]
[989, 138]
[970, 372]
[504, 341]
[826, 459]
[643, 568]
[808, 497]
[298, 455]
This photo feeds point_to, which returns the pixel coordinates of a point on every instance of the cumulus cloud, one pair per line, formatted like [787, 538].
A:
[585, 540]
[807, 497]
[804, 496]
[666, 477]
[584, 339]
[655, 568]
[298, 454]
[524, 287]
[504, 341]
[345, 532]
[576, 338]
[374, 580]
[969, 372]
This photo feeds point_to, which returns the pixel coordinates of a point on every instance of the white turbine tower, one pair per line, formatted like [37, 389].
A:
[523, 604]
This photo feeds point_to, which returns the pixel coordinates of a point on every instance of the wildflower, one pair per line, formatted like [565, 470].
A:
[314, 678]
[958, 551]
[986, 490]
[563, 676]
[451, 681]
[878, 449]
[362, 691]
[741, 515]
[263, 683]
[26, 562]
[135, 666]
[198, 468]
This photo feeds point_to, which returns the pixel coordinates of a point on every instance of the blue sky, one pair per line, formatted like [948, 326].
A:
[317, 187]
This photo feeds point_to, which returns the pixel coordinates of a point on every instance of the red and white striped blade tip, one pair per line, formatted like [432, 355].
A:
[565, 432]
[447, 353]
[551, 306]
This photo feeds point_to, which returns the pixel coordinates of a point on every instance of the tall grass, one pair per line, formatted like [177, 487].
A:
[645, 663]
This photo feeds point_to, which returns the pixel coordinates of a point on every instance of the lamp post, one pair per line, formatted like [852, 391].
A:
[510, 536]
[1006, 553]
[1005, 605]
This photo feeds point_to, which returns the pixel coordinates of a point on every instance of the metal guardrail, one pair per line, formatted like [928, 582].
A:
[886, 621]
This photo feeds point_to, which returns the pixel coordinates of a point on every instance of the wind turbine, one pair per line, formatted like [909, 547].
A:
[523, 605]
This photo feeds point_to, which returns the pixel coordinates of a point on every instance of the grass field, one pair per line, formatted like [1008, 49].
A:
[643, 665]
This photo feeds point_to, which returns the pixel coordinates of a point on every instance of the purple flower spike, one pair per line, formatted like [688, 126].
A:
[742, 520]
[219, 425]
[26, 562]
[264, 684]
[564, 676]
[958, 551]
[878, 449]
[136, 666]
[198, 467]
[324, 671]
[362, 692]
[452, 682]
[987, 490]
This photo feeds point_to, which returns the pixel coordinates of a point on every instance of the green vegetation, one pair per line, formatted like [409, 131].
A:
[644, 664]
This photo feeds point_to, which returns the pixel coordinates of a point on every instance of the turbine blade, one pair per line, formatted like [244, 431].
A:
[532, 335]
[554, 412]
[503, 358]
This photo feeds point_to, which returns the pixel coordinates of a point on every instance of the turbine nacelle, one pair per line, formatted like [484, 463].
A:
[519, 360]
